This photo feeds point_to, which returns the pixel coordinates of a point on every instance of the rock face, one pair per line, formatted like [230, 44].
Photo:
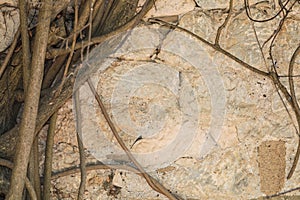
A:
[9, 20]
[214, 4]
[253, 150]
[236, 140]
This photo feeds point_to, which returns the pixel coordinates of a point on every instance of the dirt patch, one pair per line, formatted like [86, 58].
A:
[271, 159]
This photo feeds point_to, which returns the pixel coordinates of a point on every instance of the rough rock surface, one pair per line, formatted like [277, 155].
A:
[235, 163]
[234, 168]
[9, 23]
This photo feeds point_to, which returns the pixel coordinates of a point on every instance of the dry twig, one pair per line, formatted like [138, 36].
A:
[48, 157]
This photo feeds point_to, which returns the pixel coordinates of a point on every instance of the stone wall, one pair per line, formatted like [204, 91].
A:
[243, 140]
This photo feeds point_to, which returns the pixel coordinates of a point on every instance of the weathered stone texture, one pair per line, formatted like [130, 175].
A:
[232, 169]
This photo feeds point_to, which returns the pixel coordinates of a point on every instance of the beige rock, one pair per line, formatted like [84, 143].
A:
[167, 8]
[214, 4]
[9, 2]
[9, 23]
[254, 113]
